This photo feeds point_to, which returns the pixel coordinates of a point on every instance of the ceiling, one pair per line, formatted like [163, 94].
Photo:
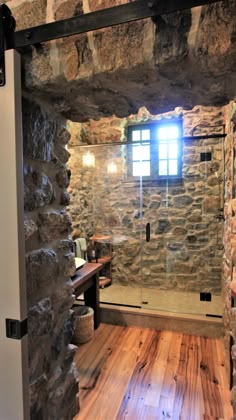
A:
[182, 59]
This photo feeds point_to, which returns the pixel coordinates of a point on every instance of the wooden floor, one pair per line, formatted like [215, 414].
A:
[141, 374]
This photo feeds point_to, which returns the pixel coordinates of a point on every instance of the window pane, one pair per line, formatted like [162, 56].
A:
[173, 132]
[168, 132]
[141, 152]
[136, 135]
[173, 150]
[165, 159]
[162, 133]
[173, 167]
[162, 167]
[141, 168]
[145, 134]
[163, 151]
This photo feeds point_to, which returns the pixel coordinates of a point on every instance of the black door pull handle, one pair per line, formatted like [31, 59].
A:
[148, 232]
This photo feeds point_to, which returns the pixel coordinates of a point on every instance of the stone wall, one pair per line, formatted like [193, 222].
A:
[184, 58]
[175, 58]
[185, 251]
[229, 265]
[49, 265]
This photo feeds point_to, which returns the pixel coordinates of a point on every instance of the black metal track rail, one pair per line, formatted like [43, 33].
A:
[185, 139]
[129, 12]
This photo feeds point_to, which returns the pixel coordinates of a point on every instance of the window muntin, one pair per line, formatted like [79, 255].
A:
[141, 153]
[158, 155]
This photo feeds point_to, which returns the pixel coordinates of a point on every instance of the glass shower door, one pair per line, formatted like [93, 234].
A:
[181, 262]
[167, 269]
[110, 219]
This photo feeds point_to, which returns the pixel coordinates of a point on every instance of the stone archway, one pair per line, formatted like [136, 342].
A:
[181, 60]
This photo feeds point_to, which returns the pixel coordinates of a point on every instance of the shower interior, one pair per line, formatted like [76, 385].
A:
[179, 270]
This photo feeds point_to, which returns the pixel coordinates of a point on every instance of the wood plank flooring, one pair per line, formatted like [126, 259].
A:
[142, 374]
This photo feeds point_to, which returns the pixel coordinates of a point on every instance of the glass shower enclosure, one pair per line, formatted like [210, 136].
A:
[165, 236]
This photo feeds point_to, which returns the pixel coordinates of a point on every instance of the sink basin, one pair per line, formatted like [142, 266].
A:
[79, 262]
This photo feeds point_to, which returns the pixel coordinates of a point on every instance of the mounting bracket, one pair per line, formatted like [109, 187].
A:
[7, 27]
[16, 329]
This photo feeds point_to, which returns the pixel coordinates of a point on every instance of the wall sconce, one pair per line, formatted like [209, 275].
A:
[88, 159]
[112, 168]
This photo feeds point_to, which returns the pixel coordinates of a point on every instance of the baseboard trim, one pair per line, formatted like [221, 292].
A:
[184, 323]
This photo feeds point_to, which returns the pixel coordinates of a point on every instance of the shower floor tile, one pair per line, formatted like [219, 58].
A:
[162, 300]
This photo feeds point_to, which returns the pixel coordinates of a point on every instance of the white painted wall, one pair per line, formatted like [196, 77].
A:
[13, 353]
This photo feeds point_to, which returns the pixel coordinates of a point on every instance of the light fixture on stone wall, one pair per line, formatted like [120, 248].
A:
[112, 168]
[88, 159]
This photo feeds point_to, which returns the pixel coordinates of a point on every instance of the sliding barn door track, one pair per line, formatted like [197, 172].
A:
[140, 9]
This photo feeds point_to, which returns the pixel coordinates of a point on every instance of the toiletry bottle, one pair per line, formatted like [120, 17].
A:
[91, 252]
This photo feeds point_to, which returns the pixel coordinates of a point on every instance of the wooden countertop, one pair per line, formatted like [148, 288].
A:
[84, 273]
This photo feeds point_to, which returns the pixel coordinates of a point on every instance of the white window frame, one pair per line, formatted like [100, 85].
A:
[154, 143]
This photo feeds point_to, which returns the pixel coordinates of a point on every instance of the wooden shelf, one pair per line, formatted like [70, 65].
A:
[103, 260]
[102, 246]
[100, 238]
[104, 281]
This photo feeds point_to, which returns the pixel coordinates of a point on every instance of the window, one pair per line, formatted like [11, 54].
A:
[156, 150]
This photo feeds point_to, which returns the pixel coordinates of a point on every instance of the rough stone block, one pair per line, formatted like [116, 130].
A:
[30, 227]
[62, 178]
[41, 271]
[38, 190]
[63, 297]
[182, 201]
[38, 132]
[40, 317]
[60, 153]
[53, 224]
[211, 204]
[64, 337]
[64, 198]
[30, 12]
[67, 268]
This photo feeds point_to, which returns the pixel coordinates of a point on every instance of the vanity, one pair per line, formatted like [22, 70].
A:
[86, 280]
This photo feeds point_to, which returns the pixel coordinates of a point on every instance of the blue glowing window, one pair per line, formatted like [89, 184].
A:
[168, 136]
[156, 150]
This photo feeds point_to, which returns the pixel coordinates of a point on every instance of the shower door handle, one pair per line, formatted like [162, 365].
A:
[148, 232]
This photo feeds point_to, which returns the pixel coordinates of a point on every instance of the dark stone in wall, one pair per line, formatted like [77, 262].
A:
[65, 335]
[36, 412]
[209, 46]
[62, 178]
[191, 238]
[62, 137]
[41, 271]
[162, 226]
[83, 50]
[38, 190]
[40, 317]
[127, 222]
[171, 36]
[38, 392]
[38, 132]
[65, 198]
[60, 153]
